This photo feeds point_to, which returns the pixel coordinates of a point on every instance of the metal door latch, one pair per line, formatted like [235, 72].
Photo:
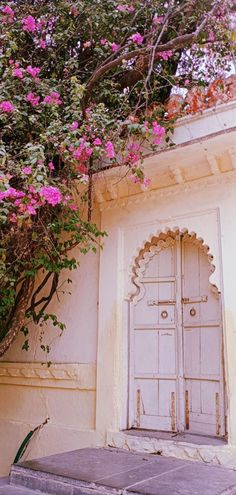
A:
[192, 300]
[153, 302]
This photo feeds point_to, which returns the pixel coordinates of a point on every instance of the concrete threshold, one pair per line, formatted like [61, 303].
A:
[105, 471]
[208, 450]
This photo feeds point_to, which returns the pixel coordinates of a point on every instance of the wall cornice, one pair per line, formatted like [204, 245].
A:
[72, 376]
[170, 191]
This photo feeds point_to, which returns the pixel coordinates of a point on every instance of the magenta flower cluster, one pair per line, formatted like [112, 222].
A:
[7, 107]
[53, 99]
[52, 195]
[29, 24]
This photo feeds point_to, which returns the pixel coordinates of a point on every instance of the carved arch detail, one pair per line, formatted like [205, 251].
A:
[155, 244]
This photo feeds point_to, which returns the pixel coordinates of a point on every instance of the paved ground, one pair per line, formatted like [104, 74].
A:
[111, 471]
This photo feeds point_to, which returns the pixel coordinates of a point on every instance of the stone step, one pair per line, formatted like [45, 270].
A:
[15, 490]
[112, 472]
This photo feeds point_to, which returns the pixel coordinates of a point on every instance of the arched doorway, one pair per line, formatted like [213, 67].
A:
[176, 345]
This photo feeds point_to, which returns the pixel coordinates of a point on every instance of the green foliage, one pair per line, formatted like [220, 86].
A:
[83, 86]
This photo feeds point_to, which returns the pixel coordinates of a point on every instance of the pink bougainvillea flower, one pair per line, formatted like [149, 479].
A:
[211, 36]
[52, 195]
[33, 71]
[13, 218]
[83, 152]
[29, 24]
[135, 179]
[12, 193]
[97, 142]
[115, 47]
[8, 14]
[110, 150]
[125, 8]
[42, 43]
[158, 132]
[18, 73]
[137, 38]
[133, 146]
[32, 189]
[8, 10]
[33, 99]
[7, 106]
[158, 19]
[53, 99]
[73, 207]
[51, 166]
[103, 41]
[27, 170]
[74, 126]
[74, 11]
[31, 210]
[146, 182]
[165, 55]
[121, 8]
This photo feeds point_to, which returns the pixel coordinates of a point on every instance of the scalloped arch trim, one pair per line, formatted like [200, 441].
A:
[156, 243]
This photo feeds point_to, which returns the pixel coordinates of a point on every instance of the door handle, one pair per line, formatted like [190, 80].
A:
[153, 302]
[192, 300]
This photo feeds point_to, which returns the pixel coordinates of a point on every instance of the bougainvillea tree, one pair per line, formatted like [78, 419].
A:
[83, 87]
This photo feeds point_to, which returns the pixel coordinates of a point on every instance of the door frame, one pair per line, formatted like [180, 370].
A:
[136, 296]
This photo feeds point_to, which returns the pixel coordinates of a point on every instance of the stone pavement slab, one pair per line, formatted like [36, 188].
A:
[13, 490]
[111, 471]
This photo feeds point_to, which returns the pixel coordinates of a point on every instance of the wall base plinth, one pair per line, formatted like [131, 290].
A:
[221, 455]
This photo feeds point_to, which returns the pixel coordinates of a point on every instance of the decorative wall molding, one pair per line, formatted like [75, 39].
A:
[72, 376]
[152, 246]
[202, 183]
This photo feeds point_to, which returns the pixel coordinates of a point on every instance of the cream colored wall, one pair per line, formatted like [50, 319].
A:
[209, 211]
[66, 391]
[29, 393]
[78, 310]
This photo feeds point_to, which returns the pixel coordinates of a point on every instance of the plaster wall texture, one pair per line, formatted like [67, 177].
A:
[78, 310]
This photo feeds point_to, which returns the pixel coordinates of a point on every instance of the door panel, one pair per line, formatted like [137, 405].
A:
[167, 352]
[176, 348]
[155, 404]
[154, 336]
[202, 343]
[146, 344]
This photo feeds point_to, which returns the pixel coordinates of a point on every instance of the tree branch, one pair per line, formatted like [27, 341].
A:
[17, 321]
[174, 44]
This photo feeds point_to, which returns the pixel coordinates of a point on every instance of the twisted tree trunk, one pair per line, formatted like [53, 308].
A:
[17, 322]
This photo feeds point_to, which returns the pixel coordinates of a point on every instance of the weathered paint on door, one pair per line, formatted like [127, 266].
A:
[176, 378]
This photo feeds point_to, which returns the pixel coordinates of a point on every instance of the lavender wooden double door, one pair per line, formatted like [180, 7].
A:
[176, 345]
